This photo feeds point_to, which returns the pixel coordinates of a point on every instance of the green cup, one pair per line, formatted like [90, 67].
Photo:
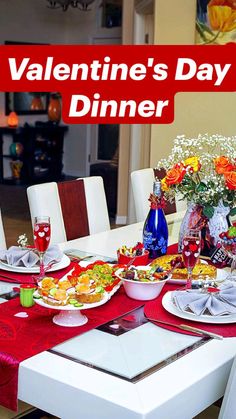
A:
[26, 295]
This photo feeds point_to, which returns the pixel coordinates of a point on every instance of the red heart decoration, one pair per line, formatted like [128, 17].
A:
[193, 247]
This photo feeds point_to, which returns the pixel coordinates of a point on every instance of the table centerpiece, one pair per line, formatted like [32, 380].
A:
[203, 171]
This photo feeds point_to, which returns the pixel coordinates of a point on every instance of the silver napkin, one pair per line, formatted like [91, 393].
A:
[16, 256]
[202, 302]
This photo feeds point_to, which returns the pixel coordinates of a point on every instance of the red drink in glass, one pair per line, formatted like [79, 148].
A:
[191, 251]
[191, 247]
[42, 234]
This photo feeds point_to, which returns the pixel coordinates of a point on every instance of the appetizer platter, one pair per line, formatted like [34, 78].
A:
[82, 288]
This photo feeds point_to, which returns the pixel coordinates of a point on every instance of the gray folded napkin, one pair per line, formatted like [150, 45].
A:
[17, 256]
[202, 302]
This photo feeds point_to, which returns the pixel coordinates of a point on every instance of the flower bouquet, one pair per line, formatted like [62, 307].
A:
[203, 171]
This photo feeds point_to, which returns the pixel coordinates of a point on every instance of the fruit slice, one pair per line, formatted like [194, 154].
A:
[72, 301]
[52, 291]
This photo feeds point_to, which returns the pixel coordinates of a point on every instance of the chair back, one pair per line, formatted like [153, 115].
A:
[76, 208]
[228, 407]
[142, 185]
[2, 235]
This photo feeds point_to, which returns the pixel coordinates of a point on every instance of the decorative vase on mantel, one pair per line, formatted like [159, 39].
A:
[210, 227]
[54, 108]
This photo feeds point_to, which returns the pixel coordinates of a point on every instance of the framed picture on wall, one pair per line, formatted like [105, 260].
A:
[25, 103]
[215, 22]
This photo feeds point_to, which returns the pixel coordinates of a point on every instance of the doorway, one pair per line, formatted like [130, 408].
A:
[104, 148]
[104, 160]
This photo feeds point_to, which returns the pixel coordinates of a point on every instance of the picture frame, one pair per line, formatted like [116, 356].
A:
[26, 103]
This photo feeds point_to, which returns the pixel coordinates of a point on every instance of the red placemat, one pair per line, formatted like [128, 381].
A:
[154, 310]
[21, 338]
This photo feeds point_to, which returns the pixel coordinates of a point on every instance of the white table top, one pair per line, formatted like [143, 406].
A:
[179, 390]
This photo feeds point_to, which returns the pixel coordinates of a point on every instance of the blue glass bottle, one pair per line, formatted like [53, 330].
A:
[155, 231]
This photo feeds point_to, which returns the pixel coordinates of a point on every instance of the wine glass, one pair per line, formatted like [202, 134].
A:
[42, 235]
[191, 247]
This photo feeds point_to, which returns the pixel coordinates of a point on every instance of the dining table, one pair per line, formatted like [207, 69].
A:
[129, 368]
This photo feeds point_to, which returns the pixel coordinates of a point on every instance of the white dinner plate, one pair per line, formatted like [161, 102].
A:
[64, 262]
[169, 306]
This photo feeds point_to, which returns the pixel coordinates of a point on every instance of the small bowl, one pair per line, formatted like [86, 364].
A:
[136, 260]
[143, 291]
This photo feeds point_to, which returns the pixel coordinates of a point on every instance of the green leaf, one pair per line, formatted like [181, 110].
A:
[201, 187]
[208, 211]
[205, 28]
[232, 212]
[200, 31]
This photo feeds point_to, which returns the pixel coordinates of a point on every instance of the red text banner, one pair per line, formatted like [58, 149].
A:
[117, 84]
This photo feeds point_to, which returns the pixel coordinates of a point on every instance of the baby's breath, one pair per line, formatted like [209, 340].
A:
[212, 187]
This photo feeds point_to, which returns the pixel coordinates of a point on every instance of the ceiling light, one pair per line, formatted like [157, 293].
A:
[64, 4]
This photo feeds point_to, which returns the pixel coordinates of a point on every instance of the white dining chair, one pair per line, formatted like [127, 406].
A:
[2, 235]
[76, 208]
[142, 186]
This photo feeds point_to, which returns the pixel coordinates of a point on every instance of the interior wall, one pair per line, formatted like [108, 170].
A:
[33, 21]
[194, 112]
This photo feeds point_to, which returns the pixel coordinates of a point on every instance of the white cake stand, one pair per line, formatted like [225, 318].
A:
[70, 316]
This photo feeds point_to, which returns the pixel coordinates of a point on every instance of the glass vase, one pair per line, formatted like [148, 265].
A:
[210, 228]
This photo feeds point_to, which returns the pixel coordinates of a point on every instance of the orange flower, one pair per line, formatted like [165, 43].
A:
[222, 15]
[223, 165]
[230, 180]
[194, 163]
[175, 175]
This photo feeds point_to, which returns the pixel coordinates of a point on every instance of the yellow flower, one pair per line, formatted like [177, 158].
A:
[222, 15]
[194, 163]
[164, 185]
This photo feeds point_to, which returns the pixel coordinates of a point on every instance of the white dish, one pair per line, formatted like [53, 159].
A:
[70, 316]
[64, 262]
[171, 308]
[143, 291]
[70, 307]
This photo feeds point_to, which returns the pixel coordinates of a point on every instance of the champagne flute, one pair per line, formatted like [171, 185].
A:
[42, 234]
[191, 247]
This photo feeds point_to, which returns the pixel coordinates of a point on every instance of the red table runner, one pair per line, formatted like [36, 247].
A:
[21, 338]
